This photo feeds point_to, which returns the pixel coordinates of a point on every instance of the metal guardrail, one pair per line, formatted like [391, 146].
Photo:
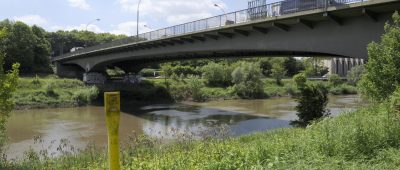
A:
[251, 14]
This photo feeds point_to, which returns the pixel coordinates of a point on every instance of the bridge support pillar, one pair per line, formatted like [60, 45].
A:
[341, 66]
[94, 78]
[68, 71]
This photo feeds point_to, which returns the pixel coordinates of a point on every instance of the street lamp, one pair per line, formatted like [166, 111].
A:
[223, 11]
[87, 25]
[137, 21]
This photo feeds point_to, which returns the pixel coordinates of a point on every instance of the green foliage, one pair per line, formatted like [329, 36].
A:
[217, 75]
[64, 41]
[343, 89]
[8, 83]
[278, 71]
[300, 79]
[335, 80]
[293, 66]
[355, 74]
[383, 67]
[247, 80]
[148, 72]
[190, 88]
[395, 102]
[84, 97]
[314, 67]
[266, 66]
[312, 103]
[39, 92]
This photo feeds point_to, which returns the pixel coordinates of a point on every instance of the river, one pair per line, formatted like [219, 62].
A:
[87, 124]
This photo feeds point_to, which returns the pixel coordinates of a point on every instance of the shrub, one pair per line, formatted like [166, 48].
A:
[86, 96]
[36, 82]
[395, 102]
[312, 103]
[49, 90]
[300, 79]
[247, 80]
[148, 73]
[194, 86]
[334, 80]
[217, 75]
[383, 67]
[355, 74]
[278, 72]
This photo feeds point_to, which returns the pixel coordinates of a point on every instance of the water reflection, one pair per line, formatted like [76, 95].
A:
[81, 125]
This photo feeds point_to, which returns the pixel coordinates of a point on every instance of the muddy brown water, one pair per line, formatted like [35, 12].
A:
[87, 124]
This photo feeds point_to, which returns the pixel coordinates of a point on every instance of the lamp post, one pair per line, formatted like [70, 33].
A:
[137, 21]
[223, 11]
[89, 23]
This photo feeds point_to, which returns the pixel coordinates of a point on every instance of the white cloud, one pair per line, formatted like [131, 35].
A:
[82, 27]
[174, 12]
[31, 20]
[129, 28]
[81, 4]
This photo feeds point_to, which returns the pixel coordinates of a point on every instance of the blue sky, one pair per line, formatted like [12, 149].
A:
[117, 16]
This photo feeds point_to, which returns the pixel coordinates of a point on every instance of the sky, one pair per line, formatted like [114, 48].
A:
[116, 16]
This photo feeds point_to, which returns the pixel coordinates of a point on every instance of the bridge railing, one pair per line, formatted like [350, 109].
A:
[251, 14]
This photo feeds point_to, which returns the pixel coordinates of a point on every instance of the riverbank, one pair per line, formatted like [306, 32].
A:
[52, 92]
[344, 142]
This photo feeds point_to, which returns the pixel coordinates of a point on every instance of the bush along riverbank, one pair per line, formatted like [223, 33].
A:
[50, 91]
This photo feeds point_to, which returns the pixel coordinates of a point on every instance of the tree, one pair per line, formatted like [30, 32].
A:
[314, 67]
[41, 50]
[19, 45]
[8, 83]
[266, 66]
[278, 71]
[383, 67]
[355, 74]
[335, 80]
[247, 80]
[312, 101]
[292, 66]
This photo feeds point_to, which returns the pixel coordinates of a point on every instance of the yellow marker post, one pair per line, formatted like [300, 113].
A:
[112, 108]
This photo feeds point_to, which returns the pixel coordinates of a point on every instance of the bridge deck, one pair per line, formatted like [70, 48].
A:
[276, 13]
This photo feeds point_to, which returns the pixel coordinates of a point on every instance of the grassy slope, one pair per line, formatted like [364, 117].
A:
[49, 92]
[365, 139]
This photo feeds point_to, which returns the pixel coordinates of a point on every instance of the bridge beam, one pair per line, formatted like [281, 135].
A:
[242, 32]
[199, 38]
[187, 40]
[280, 26]
[333, 18]
[212, 36]
[226, 34]
[305, 23]
[260, 29]
[370, 14]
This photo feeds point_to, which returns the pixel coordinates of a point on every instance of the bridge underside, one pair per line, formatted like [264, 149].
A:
[336, 33]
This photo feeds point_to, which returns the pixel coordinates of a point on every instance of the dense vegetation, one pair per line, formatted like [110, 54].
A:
[51, 91]
[383, 67]
[8, 82]
[33, 46]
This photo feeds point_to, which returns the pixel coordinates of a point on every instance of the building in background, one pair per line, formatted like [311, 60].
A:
[341, 66]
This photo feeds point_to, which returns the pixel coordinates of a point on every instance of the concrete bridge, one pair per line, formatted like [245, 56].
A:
[327, 28]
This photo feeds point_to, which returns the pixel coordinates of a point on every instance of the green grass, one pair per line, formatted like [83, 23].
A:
[366, 139]
[52, 92]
